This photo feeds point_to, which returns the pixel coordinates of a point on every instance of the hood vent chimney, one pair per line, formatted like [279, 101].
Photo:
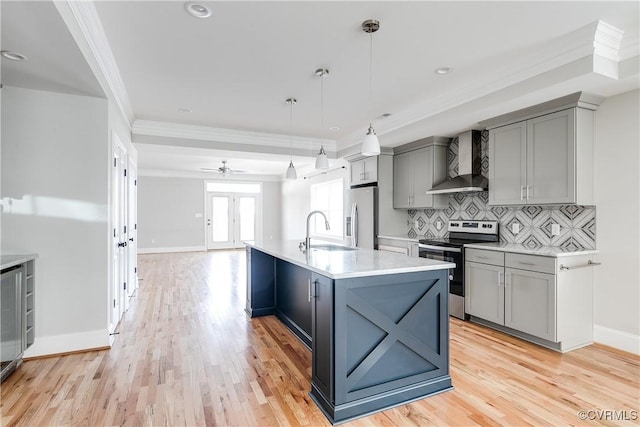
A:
[469, 178]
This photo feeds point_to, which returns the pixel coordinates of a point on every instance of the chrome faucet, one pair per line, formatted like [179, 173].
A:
[307, 240]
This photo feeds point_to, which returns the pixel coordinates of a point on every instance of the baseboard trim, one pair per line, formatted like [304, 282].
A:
[171, 250]
[68, 343]
[615, 338]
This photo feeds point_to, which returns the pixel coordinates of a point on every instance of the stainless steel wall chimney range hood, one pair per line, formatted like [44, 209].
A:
[469, 178]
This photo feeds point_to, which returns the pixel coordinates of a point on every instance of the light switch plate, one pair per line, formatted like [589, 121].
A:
[515, 228]
[555, 229]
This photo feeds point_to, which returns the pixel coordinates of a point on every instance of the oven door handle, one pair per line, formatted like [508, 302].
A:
[439, 248]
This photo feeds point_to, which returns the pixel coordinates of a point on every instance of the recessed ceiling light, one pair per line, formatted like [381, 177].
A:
[334, 128]
[15, 56]
[185, 110]
[197, 10]
[442, 70]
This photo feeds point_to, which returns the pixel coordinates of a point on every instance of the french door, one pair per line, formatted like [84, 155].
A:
[231, 220]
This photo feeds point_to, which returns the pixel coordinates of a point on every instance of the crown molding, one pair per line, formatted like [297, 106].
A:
[591, 41]
[206, 133]
[607, 40]
[208, 176]
[86, 28]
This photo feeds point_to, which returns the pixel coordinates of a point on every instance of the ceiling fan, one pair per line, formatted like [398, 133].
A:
[224, 170]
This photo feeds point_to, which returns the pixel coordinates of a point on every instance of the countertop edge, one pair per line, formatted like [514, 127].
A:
[527, 251]
[350, 275]
[405, 239]
[16, 259]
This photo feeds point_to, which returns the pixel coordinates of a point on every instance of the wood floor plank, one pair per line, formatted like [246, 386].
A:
[187, 355]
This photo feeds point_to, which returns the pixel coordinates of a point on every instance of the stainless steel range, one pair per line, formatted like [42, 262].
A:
[452, 249]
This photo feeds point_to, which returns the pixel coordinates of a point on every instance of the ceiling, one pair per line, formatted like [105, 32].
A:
[234, 70]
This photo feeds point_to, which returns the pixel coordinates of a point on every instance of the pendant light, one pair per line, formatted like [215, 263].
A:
[371, 145]
[322, 162]
[291, 170]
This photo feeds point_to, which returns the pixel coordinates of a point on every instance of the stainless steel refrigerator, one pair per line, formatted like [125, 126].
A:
[362, 217]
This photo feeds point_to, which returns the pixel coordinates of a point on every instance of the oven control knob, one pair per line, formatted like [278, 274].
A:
[451, 277]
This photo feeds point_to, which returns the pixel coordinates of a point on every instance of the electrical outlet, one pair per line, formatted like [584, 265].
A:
[515, 228]
[438, 224]
[555, 229]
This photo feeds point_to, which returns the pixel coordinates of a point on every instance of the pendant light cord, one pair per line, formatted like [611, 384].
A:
[291, 131]
[370, 78]
[322, 100]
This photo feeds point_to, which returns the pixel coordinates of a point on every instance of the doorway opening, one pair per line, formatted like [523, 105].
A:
[233, 213]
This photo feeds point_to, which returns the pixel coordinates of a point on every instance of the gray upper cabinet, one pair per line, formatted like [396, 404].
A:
[546, 157]
[416, 168]
[508, 164]
[364, 171]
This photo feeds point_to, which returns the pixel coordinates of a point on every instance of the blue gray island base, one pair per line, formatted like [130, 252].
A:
[377, 341]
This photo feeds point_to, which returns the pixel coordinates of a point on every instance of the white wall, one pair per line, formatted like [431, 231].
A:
[167, 208]
[271, 211]
[55, 156]
[617, 192]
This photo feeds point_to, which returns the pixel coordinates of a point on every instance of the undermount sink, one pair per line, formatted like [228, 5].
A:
[328, 247]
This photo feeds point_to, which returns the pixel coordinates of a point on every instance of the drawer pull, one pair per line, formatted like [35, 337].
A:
[526, 263]
[588, 264]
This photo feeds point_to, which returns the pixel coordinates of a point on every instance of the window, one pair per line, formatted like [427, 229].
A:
[328, 197]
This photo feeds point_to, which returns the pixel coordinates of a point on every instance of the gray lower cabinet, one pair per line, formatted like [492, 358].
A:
[530, 302]
[541, 299]
[484, 291]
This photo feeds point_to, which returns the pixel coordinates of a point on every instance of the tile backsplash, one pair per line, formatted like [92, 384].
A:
[577, 223]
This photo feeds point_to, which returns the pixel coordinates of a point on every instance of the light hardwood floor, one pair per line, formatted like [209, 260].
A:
[188, 355]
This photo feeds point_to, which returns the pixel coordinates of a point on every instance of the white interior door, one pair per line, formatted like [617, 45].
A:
[132, 228]
[231, 220]
[119, 258]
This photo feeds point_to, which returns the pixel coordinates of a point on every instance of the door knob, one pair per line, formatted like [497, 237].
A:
[122, 245]
[131, 239]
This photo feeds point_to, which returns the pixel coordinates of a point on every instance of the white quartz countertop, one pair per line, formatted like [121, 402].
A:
[550, 251]
[348, 264]
[9, 261]
[398, 237]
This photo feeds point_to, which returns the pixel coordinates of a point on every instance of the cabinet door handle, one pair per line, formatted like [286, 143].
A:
[527, 192]
[308, 290]
[522, 192]
[500, 279]
[507, 281]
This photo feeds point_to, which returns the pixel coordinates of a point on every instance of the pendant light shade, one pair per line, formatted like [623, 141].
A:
[370, 145]
[322, 162]
[291, 170]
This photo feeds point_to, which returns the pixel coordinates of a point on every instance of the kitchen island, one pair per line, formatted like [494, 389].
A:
[376, 322]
